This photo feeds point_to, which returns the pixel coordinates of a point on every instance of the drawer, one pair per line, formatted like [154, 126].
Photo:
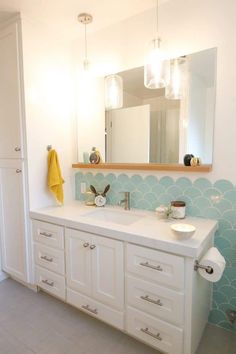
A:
[51, 282]
[156, 333]
[160, 267]
[49, 258]
[48, 234]
[158, 301]
[96, 309]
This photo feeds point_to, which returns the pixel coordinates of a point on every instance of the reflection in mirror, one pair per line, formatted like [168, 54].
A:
[151, 128]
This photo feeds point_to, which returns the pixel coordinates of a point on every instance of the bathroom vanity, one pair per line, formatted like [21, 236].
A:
[128, 269]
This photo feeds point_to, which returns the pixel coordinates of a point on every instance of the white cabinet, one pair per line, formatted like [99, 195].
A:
[95, 267]
[10, 93]
[13, 227]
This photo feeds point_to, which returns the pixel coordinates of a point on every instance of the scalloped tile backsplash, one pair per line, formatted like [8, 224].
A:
[203, 198]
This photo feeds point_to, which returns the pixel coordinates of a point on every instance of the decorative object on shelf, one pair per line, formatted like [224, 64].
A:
[178, 209]
[86, 157]
[175, 89]
[113, 92]
[163, 212]
[187, 159]
[156, 67]
[95, 156]
[89, 198]
[195, 161]
[100, 197]
[183, 231]
[85, 19]
[54, 177]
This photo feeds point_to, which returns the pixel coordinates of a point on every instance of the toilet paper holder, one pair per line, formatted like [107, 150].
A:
[208, 269]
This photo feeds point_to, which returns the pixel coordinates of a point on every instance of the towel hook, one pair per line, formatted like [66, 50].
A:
[49, 147]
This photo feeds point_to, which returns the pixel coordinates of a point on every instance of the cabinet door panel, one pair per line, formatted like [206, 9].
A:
[12, 224]
[108, 271]
[10, 94]
[78, 261]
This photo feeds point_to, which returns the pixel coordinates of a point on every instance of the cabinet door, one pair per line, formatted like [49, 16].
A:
[78, 260]
[12, 221]
[10, 94]
[108, 271]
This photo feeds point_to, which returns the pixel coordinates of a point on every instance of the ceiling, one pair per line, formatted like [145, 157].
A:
[61, 15]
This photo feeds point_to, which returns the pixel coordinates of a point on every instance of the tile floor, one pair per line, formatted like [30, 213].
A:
[32, 323]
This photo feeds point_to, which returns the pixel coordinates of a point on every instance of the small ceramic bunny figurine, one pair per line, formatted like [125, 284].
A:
[100, 198]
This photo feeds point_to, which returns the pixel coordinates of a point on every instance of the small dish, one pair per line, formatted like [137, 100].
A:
[183, 231]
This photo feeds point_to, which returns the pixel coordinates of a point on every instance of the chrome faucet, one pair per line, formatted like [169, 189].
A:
[126, 200]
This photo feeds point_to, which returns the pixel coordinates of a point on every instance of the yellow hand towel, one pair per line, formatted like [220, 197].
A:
[55, 180]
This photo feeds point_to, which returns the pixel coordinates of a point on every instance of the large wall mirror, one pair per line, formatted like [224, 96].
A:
[152, 129]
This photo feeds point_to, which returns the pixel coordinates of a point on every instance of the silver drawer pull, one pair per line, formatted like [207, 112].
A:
[50, 283]
[46, 234]
[87, 308]
[18, 170]
[86, 244]
[146, 264]
[146, 331]
[17, 148]
[46, 258]
[92, 247]
[155, 302]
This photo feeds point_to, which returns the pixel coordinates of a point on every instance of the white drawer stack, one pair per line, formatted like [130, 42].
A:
[49, 257]
[155, 298]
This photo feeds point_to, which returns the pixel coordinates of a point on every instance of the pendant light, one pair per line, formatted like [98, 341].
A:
[85, 19]
[156, 65]
[175, 89]
[113, 92]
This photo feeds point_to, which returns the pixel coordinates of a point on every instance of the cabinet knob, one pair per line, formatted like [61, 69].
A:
[18, 170]
[92, 247]
[86, 244]
[17, 148]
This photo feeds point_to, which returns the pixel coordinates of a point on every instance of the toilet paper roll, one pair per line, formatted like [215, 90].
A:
[216, 261]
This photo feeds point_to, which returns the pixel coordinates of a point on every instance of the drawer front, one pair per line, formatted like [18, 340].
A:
[156, 266]
[156, 333]
[48, 234]
[51, 282]
[156, 300]
[49, 258]
[96, 309]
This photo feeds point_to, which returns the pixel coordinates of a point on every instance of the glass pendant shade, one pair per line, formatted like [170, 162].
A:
[113, 92]
[175, 89]
[156, 67]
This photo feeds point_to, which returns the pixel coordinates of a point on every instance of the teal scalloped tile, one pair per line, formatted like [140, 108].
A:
[222, 205]
[230, 216]
[202, 184]
[129, 187]
[166, 181]
[230, 235]
[110, 177]
[116, 186]
[164, 199]
[136, 180]
[230, 273]
[158, 189]
[174, 191]
[212, 213]
[151, 180]
[186, 199]
[150, 197]
[213, 194]
[223, 225]
[223, 185]
[229, 254]
[193, 211]
[143, 204]
[221, 243]
[233, 302]
[99, 177]
[231, 196]
[123, 179]
[224, 281]
[217, 316]
[192, 192]
[202, 203]
[226, 325]
[183, 183]
[79, 175]
[143, 188]
[219, 297]
[136, 195]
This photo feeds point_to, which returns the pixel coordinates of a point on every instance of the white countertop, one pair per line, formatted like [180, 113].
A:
[147, 231]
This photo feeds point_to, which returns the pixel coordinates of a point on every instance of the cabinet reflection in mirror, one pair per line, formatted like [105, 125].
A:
[151, 127]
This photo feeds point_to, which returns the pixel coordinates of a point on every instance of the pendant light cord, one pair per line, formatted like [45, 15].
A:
[85, 43]
[157, 23]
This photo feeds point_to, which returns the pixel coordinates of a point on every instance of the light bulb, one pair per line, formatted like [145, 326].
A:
[176, 85]
[113, 92]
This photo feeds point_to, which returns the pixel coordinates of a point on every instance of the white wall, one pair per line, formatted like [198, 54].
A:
[186, 26]
[49, 100]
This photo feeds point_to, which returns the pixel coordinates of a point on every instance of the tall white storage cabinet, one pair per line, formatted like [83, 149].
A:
[13, 194]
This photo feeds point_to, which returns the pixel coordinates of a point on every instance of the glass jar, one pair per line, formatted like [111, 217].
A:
[178, 209]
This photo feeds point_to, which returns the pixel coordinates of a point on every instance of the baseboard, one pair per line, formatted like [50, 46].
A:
[3, 276]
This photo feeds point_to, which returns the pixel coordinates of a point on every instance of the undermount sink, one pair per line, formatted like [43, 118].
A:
[115, 216]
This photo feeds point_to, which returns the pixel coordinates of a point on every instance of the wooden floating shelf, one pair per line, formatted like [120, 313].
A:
[144, 166]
